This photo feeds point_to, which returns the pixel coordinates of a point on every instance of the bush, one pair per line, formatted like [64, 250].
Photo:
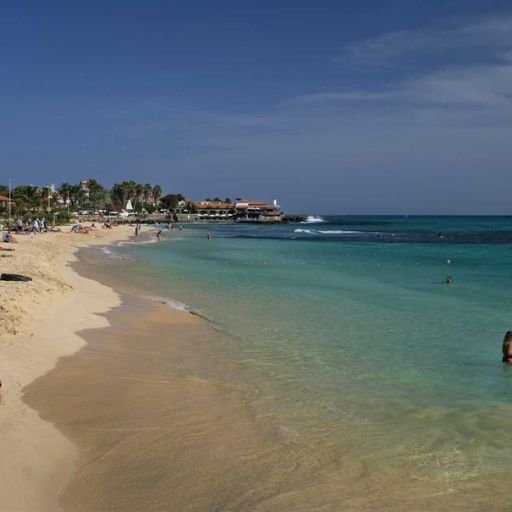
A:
[62, 218]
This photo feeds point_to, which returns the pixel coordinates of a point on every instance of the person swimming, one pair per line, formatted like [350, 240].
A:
[507, 348]
[448, 280]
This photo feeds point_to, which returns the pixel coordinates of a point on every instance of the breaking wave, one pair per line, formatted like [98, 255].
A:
[313, 219]
[326, 232]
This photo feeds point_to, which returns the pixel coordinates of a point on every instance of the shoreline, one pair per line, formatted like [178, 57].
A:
[150, 377]
[41, 321]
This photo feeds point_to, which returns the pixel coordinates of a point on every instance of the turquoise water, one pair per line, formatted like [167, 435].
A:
[356, 345]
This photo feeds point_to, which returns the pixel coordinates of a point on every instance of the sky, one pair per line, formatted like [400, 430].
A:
[348, 107]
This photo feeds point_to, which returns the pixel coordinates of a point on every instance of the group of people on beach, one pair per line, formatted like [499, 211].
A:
[39, 225]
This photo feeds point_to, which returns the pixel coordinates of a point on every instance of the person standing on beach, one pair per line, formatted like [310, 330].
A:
[159, 232]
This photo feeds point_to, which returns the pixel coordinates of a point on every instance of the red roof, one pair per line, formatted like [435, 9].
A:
[3, 198]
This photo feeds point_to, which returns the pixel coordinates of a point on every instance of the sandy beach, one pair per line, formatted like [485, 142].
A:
[38, 325]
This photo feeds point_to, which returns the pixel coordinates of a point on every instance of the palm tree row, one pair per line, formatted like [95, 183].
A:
[88, 194]
[137, 193]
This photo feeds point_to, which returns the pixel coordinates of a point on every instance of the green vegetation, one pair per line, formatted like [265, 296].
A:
[89, 195]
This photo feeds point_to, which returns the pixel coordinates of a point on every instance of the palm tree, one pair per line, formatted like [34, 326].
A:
[157, 193]
[27, 198]
[117, 195]
[131, 187]
[65, 192]
[76, 195]
[147, 192]
[139, 194]
[46, 197]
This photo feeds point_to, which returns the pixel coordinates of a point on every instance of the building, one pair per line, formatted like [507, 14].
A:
[84, 186]
[214, 210]
[258, 211]
[4, 201]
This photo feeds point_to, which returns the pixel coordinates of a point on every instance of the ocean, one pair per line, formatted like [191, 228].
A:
[352, 348]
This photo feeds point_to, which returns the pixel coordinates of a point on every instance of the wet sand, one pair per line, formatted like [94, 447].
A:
[156, 427]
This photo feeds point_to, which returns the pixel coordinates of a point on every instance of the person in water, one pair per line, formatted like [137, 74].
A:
[158, 234]
[448, 280]
[507, 348]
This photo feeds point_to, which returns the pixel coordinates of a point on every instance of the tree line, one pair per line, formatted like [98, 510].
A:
[91, 195]
[88, 194]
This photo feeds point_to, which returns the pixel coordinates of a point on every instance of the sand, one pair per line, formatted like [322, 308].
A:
[38, 325]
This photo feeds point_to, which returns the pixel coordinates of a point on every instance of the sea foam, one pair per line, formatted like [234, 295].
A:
[313, 219]
[174, 304]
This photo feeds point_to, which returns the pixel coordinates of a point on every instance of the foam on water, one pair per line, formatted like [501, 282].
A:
[327, 231]
[308, 231]
[313, 219]
[337, 232]
[174, 304]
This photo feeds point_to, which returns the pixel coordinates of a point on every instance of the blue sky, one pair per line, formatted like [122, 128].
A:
[330, 106]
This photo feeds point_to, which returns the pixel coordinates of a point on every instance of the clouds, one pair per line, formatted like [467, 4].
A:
[411, 136]
[446, 40]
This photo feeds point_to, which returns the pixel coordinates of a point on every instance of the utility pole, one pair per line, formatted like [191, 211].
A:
[9, 203]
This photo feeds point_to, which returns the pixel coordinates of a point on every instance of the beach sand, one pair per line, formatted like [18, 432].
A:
[38, 325]
[163, 420]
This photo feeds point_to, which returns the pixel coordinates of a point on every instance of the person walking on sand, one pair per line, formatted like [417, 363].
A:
[159, 232]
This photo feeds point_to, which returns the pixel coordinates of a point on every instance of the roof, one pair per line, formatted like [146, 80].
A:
[3, 198]
[214, 205]
[254, 204]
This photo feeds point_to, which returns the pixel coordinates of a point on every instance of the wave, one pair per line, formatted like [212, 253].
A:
[105, 250]
[174, 304]
[308, 231]
[142, 241]
[326, 232]
[313, 219]
[338, 232]
[180, 306]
